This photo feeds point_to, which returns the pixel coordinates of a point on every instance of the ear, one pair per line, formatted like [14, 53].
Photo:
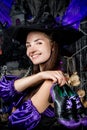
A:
[52, 48]
[53, 44]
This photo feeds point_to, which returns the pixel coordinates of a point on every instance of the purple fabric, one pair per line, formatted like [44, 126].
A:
[7, 87]
[49, 112]
[26, 116]
[8, 92]
[74, 14]
[76, 11]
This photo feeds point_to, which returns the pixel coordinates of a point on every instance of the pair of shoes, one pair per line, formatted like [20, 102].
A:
[65, 107]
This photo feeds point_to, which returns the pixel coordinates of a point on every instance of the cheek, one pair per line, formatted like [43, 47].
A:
[47, 54]
[27, 53]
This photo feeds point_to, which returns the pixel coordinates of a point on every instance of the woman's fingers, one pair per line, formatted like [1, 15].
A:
[60, 78]
[55, 76]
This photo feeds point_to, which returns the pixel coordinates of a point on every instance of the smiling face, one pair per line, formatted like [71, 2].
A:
[39, 47]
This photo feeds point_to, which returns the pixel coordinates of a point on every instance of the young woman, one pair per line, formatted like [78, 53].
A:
[29, 97]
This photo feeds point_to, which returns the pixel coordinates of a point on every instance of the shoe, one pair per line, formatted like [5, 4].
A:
[63, 106]
[80, 111]
[78, 108]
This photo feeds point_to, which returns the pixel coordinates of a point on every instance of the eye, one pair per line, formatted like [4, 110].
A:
[28, 45]
[39, 43]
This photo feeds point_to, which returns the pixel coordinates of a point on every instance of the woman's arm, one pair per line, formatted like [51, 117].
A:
[26, 82]
[41, 99]
[30, 81]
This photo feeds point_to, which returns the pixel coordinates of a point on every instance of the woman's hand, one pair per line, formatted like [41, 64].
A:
[55, 76]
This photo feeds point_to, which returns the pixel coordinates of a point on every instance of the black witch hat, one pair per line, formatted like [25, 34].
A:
[65, 32]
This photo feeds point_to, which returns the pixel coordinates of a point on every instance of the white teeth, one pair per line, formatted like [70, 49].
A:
[34, 56]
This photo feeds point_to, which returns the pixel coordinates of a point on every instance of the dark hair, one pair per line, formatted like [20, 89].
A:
[52, 64]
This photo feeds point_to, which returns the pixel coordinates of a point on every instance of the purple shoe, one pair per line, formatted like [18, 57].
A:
[68, 119]
[63, 107]
[80, 111]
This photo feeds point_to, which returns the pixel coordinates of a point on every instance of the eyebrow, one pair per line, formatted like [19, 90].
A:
[34, 41]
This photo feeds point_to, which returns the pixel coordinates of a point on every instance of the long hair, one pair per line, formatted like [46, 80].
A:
[52, 64]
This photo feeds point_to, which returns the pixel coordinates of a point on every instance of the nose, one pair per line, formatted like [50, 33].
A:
[32, 48]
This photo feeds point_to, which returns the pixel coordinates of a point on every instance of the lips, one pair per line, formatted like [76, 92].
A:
[35, 56]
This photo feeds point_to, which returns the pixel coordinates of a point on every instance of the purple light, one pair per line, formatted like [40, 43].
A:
[75, 12]
[5, 11]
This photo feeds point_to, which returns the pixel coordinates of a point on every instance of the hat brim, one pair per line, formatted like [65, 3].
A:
[64, 35]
